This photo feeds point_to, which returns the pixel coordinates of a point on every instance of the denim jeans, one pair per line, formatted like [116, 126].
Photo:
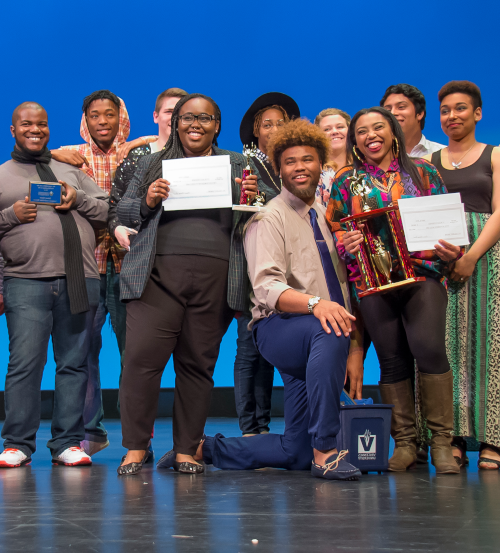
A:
[109, 302]
[253, 382]
[37, 309]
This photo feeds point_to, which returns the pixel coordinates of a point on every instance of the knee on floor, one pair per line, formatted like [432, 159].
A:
[300, 454]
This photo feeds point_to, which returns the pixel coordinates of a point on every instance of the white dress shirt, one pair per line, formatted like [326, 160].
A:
[425, 147]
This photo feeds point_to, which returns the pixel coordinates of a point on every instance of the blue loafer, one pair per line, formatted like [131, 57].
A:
[336, 468]
[167, 461]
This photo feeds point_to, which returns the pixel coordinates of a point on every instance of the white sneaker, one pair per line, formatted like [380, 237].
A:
[12, 458]
[91, 448]
[72, 456]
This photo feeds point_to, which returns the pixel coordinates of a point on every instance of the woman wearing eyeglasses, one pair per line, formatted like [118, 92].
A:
[182, 279]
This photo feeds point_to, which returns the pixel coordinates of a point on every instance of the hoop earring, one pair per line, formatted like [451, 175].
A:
[395, 150]
[356, 154]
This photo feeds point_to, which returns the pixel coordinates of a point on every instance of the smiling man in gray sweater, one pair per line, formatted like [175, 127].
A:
[51, 288]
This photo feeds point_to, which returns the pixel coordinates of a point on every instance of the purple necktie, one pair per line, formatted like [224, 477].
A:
[326, 260]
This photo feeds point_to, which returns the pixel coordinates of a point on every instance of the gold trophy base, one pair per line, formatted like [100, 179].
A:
[387, 287]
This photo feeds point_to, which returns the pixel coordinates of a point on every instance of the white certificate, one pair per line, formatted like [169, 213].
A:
[428, 219]
[198, 183]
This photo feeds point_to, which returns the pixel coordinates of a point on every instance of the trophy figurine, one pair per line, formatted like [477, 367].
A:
[260, 199]
[374, 260]
[245, 201]
[359, 187]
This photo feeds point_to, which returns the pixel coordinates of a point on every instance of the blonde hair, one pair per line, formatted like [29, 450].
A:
[326, 113]
[332, 111]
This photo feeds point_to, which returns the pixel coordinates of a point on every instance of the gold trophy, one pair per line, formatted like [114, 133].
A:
[382, 259]
[374, 261]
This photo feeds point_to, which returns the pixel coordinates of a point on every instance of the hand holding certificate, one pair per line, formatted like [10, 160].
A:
[198, 183]
[429, 219]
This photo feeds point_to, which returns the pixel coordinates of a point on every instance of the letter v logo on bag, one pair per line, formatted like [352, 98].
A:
[367, 445]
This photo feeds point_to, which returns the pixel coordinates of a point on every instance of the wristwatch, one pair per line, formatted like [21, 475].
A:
[312, 303]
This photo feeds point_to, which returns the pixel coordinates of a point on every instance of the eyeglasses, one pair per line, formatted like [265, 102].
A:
[269, 124]
[202, 118]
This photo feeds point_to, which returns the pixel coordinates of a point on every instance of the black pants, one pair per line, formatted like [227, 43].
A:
[183, 311]
[408, 325]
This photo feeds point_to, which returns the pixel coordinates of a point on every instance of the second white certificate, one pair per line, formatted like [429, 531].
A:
[430, 219]
[198, 183]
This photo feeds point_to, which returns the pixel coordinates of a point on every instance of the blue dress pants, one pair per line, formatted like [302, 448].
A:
[312, 365]
[37, 309]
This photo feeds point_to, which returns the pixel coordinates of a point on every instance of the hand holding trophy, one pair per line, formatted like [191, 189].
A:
[374, 261]
[247, 203]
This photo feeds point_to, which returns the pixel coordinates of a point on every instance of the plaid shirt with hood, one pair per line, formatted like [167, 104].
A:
[102, 167]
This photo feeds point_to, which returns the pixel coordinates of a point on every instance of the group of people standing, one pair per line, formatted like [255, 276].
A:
[172, 281]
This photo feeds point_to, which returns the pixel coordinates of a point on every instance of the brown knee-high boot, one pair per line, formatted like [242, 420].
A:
[437, 408]
[402, 423]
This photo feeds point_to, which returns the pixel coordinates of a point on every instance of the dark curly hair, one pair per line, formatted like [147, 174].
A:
[413, 94]
[299, 132]
[464, 87]
[100, 95]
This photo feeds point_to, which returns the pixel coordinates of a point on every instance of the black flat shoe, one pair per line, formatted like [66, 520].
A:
[168, 462]
[132, 468]
[188, 468]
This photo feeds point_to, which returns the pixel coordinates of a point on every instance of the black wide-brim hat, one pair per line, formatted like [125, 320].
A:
[264, 101]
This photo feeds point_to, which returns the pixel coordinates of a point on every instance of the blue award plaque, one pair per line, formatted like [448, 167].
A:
[45, 193]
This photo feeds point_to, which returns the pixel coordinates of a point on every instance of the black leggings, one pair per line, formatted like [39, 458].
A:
[408, 325]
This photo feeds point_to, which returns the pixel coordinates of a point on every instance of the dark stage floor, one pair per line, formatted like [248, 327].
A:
[51, 508]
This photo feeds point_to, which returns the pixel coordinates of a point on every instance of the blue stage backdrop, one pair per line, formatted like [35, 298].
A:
[324, 54]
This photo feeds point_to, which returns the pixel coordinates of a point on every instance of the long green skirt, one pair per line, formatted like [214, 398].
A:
[473, 344]
[473, 348]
